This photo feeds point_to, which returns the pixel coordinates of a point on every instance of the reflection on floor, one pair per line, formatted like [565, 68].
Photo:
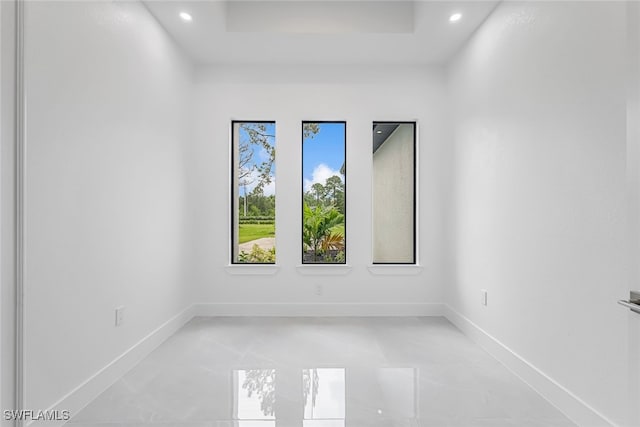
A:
[319, 372]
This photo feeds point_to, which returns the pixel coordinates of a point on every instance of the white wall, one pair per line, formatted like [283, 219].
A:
[539, 107]
[633, 177]
[288, 95]
[393, 213]
[7, 206]
[109, 110]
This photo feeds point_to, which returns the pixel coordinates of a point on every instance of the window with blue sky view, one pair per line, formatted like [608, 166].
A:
[254, 193]
[324, 190]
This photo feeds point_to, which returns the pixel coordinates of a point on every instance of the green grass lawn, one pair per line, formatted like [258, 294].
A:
[250, 232]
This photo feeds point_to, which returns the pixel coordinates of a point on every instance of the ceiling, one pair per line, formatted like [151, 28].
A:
[309, 32]
[381, 132]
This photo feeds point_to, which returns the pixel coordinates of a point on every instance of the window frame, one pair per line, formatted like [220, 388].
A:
[415, 192]
[234, 199]
[303, 263]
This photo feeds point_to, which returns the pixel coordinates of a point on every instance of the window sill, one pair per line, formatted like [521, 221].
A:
[323, 269]
[252, 269]
[395, 269]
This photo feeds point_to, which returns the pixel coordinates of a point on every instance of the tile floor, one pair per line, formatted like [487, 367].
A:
[319, 372]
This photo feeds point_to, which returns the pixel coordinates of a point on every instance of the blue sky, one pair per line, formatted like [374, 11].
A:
[259, 156]
[323, 155]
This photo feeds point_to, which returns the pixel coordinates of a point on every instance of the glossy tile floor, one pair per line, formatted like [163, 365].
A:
[319, 372]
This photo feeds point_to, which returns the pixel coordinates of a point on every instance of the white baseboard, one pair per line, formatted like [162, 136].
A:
[82, 395]
[319, 309]
[571, 405]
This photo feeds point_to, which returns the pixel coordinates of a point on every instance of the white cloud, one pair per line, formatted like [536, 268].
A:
[320, 175]
[254, 178]
[270, 189]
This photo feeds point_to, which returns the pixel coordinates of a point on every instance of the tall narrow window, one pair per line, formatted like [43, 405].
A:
[253, 210]
[324, 191]
[394, 193]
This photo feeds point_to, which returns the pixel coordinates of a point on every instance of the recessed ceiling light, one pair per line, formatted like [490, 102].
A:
[186, 17]
[378, 131]
[455, 17]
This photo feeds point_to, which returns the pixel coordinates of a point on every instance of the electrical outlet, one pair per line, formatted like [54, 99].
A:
[484, 296]
[319, 289]
[119, 315]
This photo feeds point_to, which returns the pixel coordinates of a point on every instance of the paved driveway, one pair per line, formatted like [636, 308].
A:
[265, 243]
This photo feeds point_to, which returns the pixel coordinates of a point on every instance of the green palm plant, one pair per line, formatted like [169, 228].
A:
[317, 224]
[334, 241]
